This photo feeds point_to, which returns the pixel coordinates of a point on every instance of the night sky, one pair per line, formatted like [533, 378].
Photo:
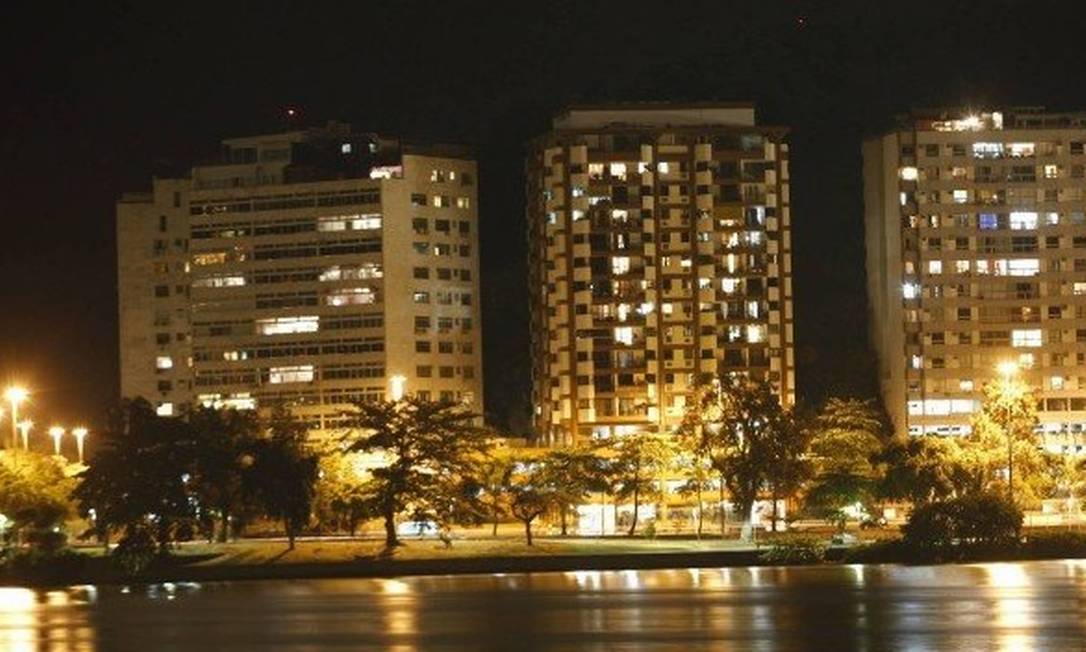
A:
[97, 97]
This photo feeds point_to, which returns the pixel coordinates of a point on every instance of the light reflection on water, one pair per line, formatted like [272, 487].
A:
[979, 606]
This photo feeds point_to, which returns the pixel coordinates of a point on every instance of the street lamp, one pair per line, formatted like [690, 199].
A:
[56, 432]
[15, 395]
[80, 433]
[1007, 369]
[24, 430]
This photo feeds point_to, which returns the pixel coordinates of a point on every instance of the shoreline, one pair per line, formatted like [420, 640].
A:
[99, 572]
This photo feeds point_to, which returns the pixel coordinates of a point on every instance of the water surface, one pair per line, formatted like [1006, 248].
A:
[1007, 606]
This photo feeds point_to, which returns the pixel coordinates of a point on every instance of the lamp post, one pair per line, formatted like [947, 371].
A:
[56, 432]
[80, 433]
[1007, 370]
[24, 430]
[15, 395]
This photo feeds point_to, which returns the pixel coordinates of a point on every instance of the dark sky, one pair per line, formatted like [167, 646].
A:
[96, 96]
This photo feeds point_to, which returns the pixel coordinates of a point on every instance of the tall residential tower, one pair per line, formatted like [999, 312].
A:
[976, 257]
[660, 251]
[314, 267]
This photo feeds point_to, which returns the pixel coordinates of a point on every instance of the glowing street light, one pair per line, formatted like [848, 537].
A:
[80, 433]
[56, 432]
[396, 386]
[15, 395]
[1007, 368]
[24, 430]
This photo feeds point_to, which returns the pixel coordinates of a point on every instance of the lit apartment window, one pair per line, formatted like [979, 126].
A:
[987, 150]
[1056, 382]
[463, 202]
[350, 297]
[287, 325]
[618, 171]
[663, 167]
[935, 267]
[293, 374]
[1052, 171]
[224, 281]
[163, 362]
[910, 290]
[1021, 149]
[620, 264]
[961, 266]
[1023, 220]
[909, 173]
[755, 334]
[965, 385]
[1026, 337]
[624, 335]
[960, 196]
[216, 258]
[164, 410]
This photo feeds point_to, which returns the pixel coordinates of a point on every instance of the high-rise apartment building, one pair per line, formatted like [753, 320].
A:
[660, 251]
[976, 257]
[315, 267]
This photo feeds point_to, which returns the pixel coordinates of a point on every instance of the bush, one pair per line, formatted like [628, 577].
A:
[43, 566]
[881, 551]
[1055, 545]
[135, 552]
[968, 526]
[801, 550]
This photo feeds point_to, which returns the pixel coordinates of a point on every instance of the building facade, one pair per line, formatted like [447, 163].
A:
[314, 268]
[660, 250]
[976, 257]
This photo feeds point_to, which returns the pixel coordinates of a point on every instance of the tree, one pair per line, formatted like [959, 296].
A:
[341, 500]
[138, 479]
[693, 456]
[225, 441]
[788, 465]
[738, 418]
[1003, 430]
[573, 473]
[431, 450]
[640, 461]
[848, 434]
[493, 476]
[531, 494]
[35, 495]
[283, 474]
[921, 469]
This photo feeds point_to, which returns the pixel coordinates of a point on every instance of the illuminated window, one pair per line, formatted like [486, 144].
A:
[987, 150]
[624, 335]
[663, 167]
[1079, 288]
[1021, 149]
[620, 264]
[935, 267]
[1026, 337]
[1023, 267]
[350, 296]
[223, 281]
[909, 173]
[1056, 382]
[960, 196]
[293, 374]
[163, 362]
[287, 325]
[910, 290]
[988, 221]
[1052, 171]
[618, 171]
[164, 410]
[965, 385]
[753, 309]
[961, 266]
[917, 362]
[351, 272]
[577, 215]
[755, 333]
[595, 171]
[1023, 220]
[345, 148]
[463, 202]
[216, 258]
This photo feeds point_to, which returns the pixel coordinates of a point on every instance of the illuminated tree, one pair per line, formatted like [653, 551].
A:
[1003, 441]
[341, 500]
[639, 463]
[788, 464]
[848, 434]
[35, 496]
[431, 450]
[531, 493]
[922, 469]
[573, 473]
